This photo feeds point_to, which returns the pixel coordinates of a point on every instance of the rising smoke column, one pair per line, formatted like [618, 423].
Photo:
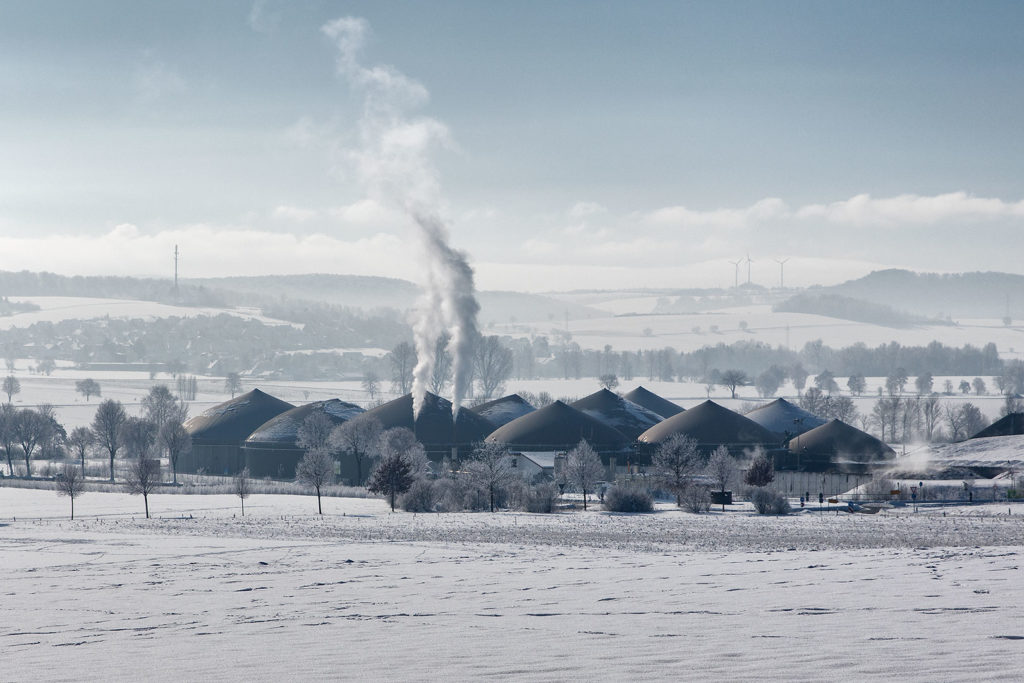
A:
[392, 162]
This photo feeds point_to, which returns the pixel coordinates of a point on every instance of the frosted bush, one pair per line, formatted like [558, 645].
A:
[768, 502]
[628, 499]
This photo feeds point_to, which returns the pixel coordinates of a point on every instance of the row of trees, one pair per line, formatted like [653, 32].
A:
[492, 366]
[158, 432]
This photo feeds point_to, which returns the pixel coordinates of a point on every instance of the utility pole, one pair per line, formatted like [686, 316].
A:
[782, 266]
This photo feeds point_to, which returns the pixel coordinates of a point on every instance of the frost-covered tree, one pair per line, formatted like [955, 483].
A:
[609, 382]
[826, 382]
[721, 467]
[71, 483]
[143, 478]
[359, 439]
[978, 384]
[857, 384]
[106, 425]
[924, 383]
[490, 469]
[316, 469]
[676, 460]
[392, 477]
[242, 487]
[315, 432]
[583, 469]
[402, 441]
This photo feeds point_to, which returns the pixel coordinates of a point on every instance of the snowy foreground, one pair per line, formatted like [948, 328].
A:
[363, 593]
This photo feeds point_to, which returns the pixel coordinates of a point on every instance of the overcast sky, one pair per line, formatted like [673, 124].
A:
[573, 144]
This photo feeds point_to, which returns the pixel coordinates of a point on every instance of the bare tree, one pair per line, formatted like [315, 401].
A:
[316, 469]
[442, 372]
[138, 436]
[11, 386]
[734, 379]
[32, 429]
[71, 483]
[955, 419]
[490, 469]
[242, 487]
[857, 384]
[315, 432]
[106, 425]
[358, 438]
[931, 411]
[583, 468]
[609, 382]
[493, 364]
[81, 439]
[176, 441]
[143, 478]
[675, 461]
[88, 387]
[159, 406]
[371, 384]
[8, 433]
[403, 360]
[978, 384]
[232, 383]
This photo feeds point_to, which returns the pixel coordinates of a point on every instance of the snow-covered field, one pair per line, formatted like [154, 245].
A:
[758, 323]
[201, 594]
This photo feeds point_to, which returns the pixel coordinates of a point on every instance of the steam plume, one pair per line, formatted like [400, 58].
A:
[392, 161]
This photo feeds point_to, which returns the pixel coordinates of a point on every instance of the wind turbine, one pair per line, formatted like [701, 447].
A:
[782, 266]
[749, 261]
[736, 265]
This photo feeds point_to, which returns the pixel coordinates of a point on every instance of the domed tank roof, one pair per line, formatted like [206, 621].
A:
[710, 423]
[559, 427]
[501, 411]
[232, 421]
[434, 423]
[1009, 425]
[283, 429]
[627, 417]
[653, 402]
[784, 418]
[837, 446]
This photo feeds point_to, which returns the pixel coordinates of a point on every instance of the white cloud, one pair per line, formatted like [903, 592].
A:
[264, 17]
[155, 80]
[910, 209]
[293, 214]
[581, 210]
[765, 209]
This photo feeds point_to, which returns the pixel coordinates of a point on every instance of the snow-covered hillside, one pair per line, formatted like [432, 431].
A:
[57, 308]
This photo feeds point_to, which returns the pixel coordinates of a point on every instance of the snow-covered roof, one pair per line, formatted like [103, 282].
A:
[284, 428]
[992, 451]
[782, 417]
[627, 417]
[501, 411]
[232, 421]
